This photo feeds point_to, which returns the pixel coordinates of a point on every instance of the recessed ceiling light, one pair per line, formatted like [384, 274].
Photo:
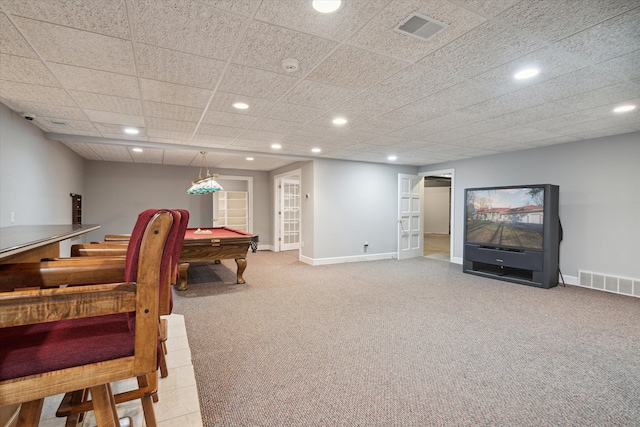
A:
[137, 150]
[525, 74]
[276, 146]
[339, 121]
[316, 150]
[392, 158]
[240, 106]
[624, 108]
[131, 131]
[326, 6]
[250, 158]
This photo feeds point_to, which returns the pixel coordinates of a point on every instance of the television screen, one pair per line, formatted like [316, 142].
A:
[509, 217]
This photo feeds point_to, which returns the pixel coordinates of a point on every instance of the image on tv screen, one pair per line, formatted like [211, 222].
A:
[507, 217]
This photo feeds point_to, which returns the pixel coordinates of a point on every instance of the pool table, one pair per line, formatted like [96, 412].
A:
[211, 244]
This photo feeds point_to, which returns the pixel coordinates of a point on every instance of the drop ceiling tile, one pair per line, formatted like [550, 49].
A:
[252, 145]
[291, 112]
[273, 125]
[153, 156]
[601, 96]
[156, 123]
[385, 140]
[580, 81]
[116, 129]
[378, 126]
[114, 118]
[415, 112]
[215, 130]
[549, 61]
[221, 118]
[132, 138]
[553, 141]
[82, 149]
[490, 7]
[599, 133]
[187, 26]
[552, 20]
[261, 135]
[315, 131]
[607, 40]
[95, 81]
[25, 70]
[33, 93]
[416, 82]
[82, 131]
[625, 66]
[212, 141]
[45, 110]
[371, 104]
[410, 145]
[265, 46]
[179, 157]
[69, 46]
[224, 102]
[319, 95]
[306, 140]
[174, 112]
[299, 15]
[111, 152]
[481, 49]
[511, 132]
[243, 7]
[484, 126]
[350, 136]
[171, 93]
[114, 104]
[256, 83]
[166, 65]
[168, 136]
[378, 35]
[11, 41]
[536, 113]
[355, 68]
[112, 19]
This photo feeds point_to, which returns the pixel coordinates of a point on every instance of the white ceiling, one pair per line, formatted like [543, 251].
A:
[173, 69]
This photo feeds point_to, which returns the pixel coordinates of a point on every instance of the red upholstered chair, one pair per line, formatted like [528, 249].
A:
[58, 340]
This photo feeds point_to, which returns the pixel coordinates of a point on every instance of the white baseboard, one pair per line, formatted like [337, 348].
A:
[340, 260]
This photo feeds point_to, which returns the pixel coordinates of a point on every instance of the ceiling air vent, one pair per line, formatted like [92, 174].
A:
[420, 26]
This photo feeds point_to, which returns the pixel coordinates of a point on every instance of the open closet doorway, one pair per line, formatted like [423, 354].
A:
[233, 206]
[287, 211]
[438, 215]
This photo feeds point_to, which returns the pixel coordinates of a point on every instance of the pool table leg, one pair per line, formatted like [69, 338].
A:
[242, 264]
[182, 269]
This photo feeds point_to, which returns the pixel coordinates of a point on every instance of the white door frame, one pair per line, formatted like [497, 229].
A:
[249, 180]
[295, 174]
[453, 208]
[412, 226]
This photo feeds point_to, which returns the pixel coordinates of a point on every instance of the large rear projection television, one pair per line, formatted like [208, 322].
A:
[513, 233]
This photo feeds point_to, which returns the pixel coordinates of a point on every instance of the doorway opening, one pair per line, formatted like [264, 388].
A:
[438, 215]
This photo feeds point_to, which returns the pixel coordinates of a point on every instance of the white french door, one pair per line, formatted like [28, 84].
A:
[289, 214]
[410, 237]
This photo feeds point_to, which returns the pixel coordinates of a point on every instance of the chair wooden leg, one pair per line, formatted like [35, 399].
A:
[104, 406]
[147, 399]
[74, 398]
[30, 413]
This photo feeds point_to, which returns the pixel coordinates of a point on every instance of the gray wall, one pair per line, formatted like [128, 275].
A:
[117, 192]
[355, 202]
[36, 175]
[599, 203]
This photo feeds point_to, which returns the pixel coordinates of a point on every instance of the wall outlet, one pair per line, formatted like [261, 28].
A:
[13, 217]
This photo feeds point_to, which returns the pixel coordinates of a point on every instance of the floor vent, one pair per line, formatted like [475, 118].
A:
[420, 26]
[609, 283]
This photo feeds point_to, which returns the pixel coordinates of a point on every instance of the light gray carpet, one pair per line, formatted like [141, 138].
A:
[407, 343]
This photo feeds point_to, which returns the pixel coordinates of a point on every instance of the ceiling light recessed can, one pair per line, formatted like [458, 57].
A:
[137, 150]
[392, 158]
[316, 150]
[624, 108]
[276, 146]
[250, 158]
[131, 131]
[526, 74]
[326, 6]
[339, 121]
[240, 106]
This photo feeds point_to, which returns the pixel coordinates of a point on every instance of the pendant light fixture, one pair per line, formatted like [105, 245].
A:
[205, 185]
